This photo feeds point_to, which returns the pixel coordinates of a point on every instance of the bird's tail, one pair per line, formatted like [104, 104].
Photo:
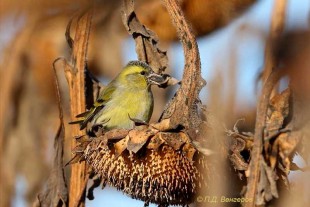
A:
[85, 117]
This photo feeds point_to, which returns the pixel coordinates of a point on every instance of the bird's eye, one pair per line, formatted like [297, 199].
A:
[142, 72]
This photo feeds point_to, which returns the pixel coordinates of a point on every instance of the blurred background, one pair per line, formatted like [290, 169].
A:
[231, 37]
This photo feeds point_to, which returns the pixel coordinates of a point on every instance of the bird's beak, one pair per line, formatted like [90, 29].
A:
[155, 79]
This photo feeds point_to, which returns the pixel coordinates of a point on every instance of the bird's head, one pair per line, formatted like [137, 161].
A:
[140, 75]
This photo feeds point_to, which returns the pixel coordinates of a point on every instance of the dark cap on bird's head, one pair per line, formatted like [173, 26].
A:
[139, 63]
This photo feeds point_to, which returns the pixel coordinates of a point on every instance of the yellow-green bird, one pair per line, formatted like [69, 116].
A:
[126, 98]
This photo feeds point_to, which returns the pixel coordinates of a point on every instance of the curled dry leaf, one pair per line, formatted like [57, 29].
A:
[137, 139]
[172, 139]
[121, 146]
[240, 142]
[189, 151]
[155, 142]
[286, 140]
[163, 125]
[287, 144]
[237, 160]
[278, 110]
[146, 40]
[115, 134]
[238, 163]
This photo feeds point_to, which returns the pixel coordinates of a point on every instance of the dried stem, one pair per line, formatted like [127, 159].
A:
[256, 154]
[183, 109]
[76, 79]
[277, 25]
[78, 201]
[276, 29]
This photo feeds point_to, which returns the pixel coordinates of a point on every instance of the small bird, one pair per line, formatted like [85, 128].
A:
[126, 99]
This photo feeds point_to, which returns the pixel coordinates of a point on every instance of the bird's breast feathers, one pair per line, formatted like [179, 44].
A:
[123, 105]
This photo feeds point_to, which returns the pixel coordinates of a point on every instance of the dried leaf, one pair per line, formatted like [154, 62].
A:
[189, 151]
[280, 102]
[172, 139]
[272, 178]
[278, 111]
[121, 145]
[238, 162]
[137, 139]
[76, 159]
[241, 141]
[81, 138]
[82, 141]
[155, 142]
[162, 125]
[238, 145]
[274, 154]
[146, 40]
[287, 143]
[267, 187]
[116, 134]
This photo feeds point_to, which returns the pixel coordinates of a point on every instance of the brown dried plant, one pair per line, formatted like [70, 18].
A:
[160, 143]
[169, 162]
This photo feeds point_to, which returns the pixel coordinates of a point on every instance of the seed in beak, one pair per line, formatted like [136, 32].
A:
[156, 79]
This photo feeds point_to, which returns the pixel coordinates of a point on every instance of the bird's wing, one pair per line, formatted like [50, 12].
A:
[99, 104]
